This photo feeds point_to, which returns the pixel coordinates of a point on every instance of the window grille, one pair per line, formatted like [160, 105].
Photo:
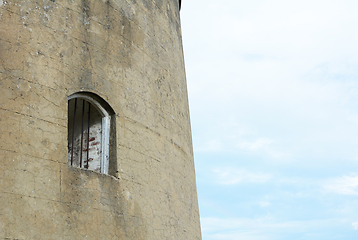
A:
[88, 133]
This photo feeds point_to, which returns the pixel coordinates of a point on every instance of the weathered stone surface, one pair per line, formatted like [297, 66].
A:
[128, 52]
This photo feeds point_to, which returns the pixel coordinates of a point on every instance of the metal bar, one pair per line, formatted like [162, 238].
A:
[73, 131]
[83, 116]
[88, 131]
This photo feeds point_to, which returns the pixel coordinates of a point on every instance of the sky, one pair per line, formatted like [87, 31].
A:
[273, 94]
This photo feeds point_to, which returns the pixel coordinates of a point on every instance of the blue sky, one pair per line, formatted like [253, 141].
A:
[273, 92]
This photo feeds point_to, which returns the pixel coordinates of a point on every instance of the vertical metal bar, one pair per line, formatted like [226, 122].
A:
[83, 116]
[73, 130]
[88, 131]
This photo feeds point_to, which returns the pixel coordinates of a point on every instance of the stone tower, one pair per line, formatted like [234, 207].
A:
[94, 121]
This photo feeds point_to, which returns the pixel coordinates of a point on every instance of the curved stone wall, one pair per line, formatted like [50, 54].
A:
[128, 52]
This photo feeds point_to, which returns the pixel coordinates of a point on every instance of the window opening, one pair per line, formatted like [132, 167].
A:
[88, 133]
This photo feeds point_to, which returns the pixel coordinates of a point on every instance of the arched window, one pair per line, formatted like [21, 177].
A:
[89, 132]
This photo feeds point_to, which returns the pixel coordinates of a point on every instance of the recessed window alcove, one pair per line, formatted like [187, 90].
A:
[91, 133]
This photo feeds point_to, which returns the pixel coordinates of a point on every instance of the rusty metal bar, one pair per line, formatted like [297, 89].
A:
[73, 131]
[88, 132]
[83, 116]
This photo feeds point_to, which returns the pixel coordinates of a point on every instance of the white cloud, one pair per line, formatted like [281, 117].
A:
[264, 228]
[343, 185]
[212, 145]
[232, 228]
[262, 146]
[264, 203]
[232, 176]
[275, 80]
[287, 66]
[259, 144]
[355, 225]
[265, 53]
